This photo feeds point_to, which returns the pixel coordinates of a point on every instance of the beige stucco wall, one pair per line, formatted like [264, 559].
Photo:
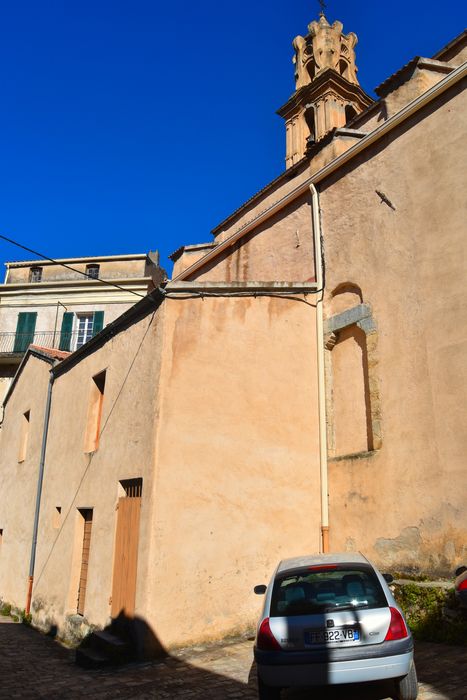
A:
[281, 248]
[405, 505]
[190, 256]
[108, 269]
[18, 481]
[76, 480]
[237, 472]
[261, 201]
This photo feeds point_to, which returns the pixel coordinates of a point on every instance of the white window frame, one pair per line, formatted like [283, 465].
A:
[87, 328]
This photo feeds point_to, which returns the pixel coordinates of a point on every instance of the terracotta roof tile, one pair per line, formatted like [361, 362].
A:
[51, 352]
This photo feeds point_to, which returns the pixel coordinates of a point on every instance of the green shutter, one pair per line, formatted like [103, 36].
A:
[98, 322]
[25, 328]
[66, 330]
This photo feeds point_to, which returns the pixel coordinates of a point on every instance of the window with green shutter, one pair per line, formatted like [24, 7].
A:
[98, 322]
[66, 331]
[25, 328]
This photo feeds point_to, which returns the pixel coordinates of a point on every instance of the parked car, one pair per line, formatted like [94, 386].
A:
[330, 619]
[460, 585]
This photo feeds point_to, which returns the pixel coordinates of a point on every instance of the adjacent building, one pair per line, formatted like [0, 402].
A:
[62, 304]
[298, 386]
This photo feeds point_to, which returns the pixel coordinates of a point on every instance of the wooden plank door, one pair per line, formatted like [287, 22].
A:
[126, 556]
[83, 578]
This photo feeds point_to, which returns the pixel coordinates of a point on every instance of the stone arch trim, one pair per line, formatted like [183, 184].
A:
[361, 316]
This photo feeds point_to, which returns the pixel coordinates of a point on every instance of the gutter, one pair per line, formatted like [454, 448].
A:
[405, 113]
[323, 455]
[40, 479]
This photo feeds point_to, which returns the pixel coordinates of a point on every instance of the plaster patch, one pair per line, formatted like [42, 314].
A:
[409, 542]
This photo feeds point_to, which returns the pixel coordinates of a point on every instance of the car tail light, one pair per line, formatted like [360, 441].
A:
[463, 585]
[266, 640]
[397, 627]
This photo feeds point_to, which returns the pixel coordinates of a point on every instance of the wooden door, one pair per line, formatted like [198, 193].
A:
[126, 556]
[83, 578]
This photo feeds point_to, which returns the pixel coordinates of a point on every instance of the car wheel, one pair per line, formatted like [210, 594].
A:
[407, 687]
[267, 692]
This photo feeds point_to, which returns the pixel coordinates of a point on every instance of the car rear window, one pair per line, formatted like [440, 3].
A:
[321, 589]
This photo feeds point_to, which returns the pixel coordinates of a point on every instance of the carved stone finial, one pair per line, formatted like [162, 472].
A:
[324, 47]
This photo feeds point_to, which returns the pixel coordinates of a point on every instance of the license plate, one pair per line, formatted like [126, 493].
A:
[343, 634]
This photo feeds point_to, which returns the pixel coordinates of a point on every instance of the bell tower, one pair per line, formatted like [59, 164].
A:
[327, 93]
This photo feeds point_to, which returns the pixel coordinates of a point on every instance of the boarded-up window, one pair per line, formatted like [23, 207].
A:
[57, 518]
[24, 436]
[350, 393]
[86, 514]
[93, 423]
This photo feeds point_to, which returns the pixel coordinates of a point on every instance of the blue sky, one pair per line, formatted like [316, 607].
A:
[129, 125]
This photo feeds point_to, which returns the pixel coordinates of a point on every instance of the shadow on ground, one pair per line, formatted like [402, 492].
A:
[33, 665]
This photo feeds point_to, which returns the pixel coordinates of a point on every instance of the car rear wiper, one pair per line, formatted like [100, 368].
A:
[346, 607]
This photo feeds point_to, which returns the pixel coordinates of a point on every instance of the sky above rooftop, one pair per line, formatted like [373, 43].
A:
[135, 125]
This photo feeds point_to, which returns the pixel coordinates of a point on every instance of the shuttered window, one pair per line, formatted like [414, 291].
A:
[78, 328]
[98, 322]
[66, 330]
[25, 328]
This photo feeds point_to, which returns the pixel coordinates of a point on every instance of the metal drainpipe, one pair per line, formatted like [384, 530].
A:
[323, 457]
[39, 493]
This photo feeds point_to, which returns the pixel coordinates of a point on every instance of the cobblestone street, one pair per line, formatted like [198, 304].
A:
[35, 666]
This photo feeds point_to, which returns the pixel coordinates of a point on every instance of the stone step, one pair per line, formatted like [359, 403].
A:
[92, 658]
[110, 641]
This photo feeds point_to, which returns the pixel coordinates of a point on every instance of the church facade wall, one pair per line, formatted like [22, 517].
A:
[403, 503]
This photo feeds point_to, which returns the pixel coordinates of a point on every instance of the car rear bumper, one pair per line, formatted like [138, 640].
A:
[333, 672]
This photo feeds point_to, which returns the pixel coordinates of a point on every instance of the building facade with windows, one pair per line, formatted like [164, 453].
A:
[278, 396]
[63, 304]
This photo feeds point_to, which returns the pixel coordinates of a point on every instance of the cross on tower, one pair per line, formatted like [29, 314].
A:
[322, 4]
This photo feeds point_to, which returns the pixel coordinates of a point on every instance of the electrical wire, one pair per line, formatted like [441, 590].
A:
[69, 267]
[171, 294]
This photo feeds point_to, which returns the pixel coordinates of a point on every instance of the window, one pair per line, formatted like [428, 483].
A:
[25, 328]
[93, 423]
[84, 329]
[35, 274]
[86, 525]
[78, 328]
[92, 271]
[24, 436]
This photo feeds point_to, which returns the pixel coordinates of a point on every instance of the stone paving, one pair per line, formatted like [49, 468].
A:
[35, 666]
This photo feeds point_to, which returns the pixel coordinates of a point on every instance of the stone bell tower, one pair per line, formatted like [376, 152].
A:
[327, 94]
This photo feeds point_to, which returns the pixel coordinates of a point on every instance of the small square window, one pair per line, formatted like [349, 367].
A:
[92, 271]
[35, 274]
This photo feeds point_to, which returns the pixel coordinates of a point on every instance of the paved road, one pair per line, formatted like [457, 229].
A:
[35, 666]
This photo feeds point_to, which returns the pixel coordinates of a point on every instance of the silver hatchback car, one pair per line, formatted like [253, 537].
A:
[330, 619]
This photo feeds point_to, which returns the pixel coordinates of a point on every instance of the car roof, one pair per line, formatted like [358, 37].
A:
[317, 559]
